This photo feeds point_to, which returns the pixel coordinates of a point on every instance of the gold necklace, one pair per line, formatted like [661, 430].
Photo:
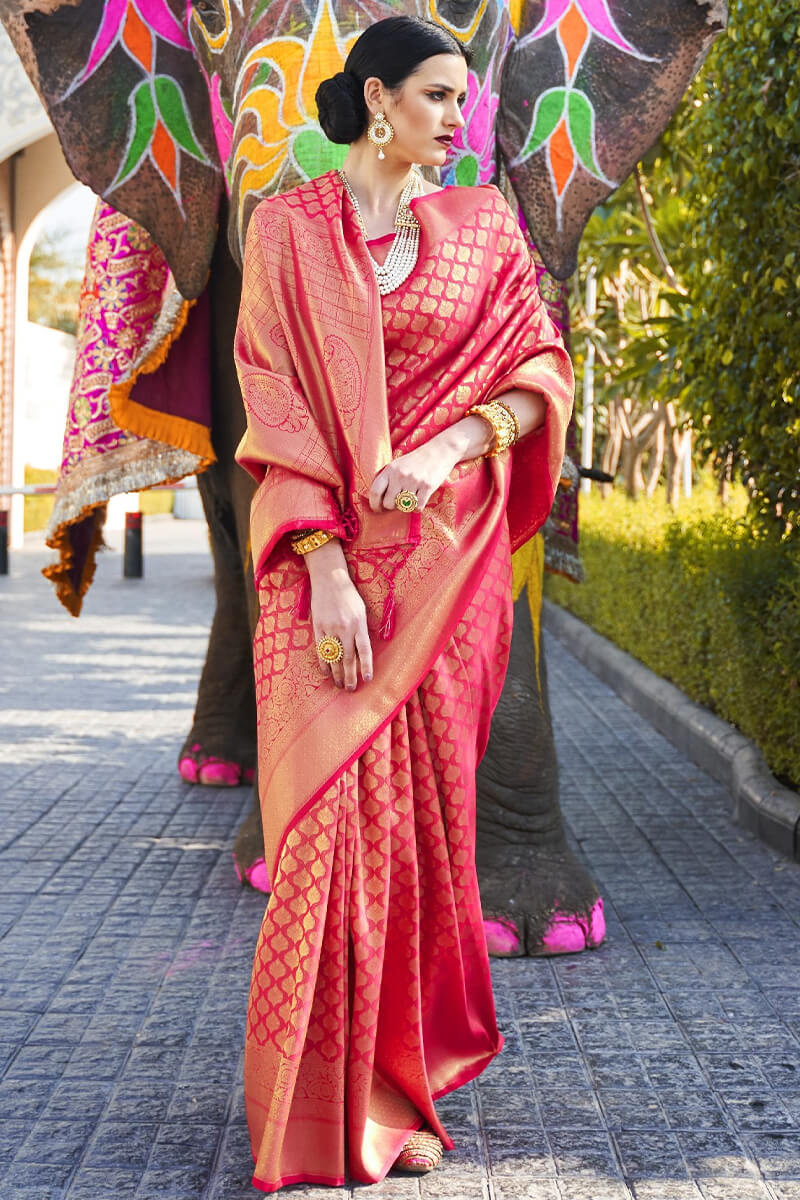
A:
[402, 256]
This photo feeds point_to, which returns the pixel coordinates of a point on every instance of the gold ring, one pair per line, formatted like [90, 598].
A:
[406, 502]
[330, 649]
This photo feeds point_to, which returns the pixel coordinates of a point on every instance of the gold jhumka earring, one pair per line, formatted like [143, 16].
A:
[380, 133]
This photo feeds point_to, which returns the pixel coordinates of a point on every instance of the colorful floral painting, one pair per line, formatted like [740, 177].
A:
[563, 120]
[160, 119]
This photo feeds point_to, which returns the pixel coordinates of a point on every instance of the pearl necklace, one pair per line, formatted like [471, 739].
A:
[402, 257]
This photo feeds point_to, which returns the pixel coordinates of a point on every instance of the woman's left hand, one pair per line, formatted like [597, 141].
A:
[421, 471]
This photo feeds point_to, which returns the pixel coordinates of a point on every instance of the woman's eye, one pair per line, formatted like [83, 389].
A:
[440, 96]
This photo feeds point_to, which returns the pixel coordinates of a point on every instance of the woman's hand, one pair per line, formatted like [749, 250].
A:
[421, 471]
[424, 470]
[337, 610]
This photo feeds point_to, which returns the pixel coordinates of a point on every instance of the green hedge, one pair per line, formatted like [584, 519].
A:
[703, 600]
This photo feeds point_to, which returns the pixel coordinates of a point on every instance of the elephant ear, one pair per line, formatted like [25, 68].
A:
[588, 87]
[130, 106]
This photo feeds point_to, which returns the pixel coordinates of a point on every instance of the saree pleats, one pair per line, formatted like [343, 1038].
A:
[371, 992]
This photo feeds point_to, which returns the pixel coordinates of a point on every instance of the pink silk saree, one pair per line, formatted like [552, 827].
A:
[371, 994]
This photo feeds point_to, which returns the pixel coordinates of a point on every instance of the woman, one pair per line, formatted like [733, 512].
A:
[382, 401]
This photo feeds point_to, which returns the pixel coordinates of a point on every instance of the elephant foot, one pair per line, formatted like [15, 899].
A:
[566, 933]
[196, 766]
[255, 875]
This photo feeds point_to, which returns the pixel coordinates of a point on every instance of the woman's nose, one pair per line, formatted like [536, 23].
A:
[458, 118]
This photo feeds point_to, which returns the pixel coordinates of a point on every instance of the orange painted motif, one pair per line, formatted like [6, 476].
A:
[562, 157]
[573, 32]
[162, 148]
[138, 38]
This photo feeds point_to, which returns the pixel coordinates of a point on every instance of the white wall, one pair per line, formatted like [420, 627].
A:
[45, 361]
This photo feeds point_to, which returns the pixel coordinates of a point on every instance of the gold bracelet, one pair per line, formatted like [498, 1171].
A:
[502, 422]
[311, 539]
[511, 413]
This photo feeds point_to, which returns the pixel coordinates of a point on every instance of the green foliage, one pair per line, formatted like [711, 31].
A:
[712, 324]
[54, 286]
[739, 339]
[704, 599]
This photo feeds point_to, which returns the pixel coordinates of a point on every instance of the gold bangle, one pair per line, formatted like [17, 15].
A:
[511, 413]
[308, 540]
[501, 421]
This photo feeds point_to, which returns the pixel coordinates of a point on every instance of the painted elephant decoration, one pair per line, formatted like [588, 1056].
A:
[182, 117]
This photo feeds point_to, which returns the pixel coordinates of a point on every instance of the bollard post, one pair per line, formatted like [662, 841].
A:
[3, 541]
[132, 563]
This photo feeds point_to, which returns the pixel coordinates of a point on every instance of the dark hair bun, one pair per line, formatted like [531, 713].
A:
[341, 107]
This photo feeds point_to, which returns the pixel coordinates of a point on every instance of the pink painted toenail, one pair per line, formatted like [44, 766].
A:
[257, 876]
[502, 936]
[187, 769]
[568, 933]
[216, 773]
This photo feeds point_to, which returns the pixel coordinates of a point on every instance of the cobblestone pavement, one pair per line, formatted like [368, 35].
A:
[664, 1066]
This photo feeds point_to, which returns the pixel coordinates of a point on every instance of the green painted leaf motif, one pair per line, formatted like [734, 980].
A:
[580, 118]
[144, 122]
[263, 72]
[172, 110]
[315, 155]
[258, 11]
[548, 112]
[467, 171]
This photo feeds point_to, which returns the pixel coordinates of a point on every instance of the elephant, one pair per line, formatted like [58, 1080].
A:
[182, 117]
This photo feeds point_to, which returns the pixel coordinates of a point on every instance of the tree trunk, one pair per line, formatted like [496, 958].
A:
[725, 477]
[656, 455]
[612, 448]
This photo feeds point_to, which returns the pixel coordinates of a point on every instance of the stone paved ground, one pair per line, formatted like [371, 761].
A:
[665, 1066]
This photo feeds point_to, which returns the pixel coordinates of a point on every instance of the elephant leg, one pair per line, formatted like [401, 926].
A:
[220, 748]
[537, 899]
[225, 719]
[248, 850]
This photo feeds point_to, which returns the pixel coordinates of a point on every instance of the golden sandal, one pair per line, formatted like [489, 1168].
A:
[421, 1153]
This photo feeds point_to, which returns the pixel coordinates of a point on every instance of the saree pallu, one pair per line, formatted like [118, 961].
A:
[371, 992]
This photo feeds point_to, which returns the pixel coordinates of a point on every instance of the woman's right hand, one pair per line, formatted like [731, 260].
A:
[337, 610]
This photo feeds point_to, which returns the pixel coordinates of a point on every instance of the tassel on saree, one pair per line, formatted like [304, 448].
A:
[386, 627]
[350, 523]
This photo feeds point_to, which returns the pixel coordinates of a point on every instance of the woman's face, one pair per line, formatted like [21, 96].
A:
[427, 107]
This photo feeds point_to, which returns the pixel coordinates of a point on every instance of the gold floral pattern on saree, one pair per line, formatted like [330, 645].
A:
[374, 927]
